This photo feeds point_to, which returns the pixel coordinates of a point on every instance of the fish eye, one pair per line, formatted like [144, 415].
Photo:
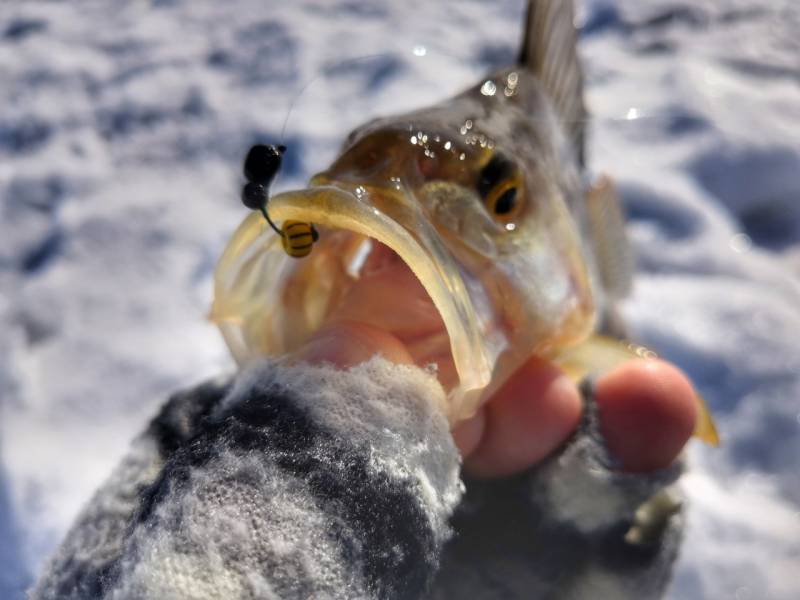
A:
[499, 184]
[505, 202]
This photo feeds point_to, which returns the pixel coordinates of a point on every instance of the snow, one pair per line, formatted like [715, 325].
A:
[122, 129]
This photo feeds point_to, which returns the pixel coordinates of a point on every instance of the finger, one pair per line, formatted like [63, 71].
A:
[467, 434]
[647, 413]
[531, 415]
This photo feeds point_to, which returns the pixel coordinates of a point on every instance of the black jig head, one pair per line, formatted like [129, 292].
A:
[260, 167]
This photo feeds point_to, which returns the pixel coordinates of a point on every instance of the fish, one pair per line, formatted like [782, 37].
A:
[485, 199]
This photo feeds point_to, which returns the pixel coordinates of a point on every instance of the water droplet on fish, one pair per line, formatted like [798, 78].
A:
[447, 145]
[413, 140]
[632, 114]
[488, 88]
[462, 156]
[642, 352]
[468, 123]
[420, 50]
[740, 243]
[510, 226]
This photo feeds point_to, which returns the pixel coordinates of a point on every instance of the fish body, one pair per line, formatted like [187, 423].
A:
[483, 197]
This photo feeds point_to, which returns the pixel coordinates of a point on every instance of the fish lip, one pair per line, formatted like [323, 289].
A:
[405, 231]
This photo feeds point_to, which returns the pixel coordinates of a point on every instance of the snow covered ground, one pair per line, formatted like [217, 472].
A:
[122, 128]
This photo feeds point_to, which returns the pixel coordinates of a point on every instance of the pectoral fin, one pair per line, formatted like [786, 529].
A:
[599, 354]
[609, 240]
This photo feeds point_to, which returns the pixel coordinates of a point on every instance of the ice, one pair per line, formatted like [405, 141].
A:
[122, 128]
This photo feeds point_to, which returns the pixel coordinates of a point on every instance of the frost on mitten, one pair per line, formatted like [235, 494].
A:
[293, 482]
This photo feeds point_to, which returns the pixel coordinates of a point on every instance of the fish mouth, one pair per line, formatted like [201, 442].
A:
[267, 303]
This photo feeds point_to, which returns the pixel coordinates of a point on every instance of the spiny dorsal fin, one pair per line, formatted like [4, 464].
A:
[549, 51]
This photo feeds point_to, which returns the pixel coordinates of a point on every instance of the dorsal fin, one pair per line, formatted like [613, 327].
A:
[549, 51]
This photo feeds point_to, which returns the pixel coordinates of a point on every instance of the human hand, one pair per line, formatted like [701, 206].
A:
[647, 409]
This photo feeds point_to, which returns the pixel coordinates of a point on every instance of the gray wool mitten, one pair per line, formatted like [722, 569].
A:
[305, 481]
[292, 482]
[573, 528]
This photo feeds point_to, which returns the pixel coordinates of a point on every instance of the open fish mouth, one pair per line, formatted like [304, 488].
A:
[267, 303]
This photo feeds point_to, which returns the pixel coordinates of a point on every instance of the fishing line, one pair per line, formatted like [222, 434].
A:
[418, 51]
[324, 71]
[262, 168]
[633, 114]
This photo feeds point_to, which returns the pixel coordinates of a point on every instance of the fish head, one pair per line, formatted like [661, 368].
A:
[473, 195]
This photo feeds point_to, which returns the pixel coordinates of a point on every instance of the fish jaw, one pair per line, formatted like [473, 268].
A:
[267, 303]
[499, 305]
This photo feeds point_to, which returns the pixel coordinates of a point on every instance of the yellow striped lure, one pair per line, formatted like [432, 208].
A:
[260, 167]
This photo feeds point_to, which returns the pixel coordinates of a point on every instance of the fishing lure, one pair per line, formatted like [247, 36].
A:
[260, 167]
